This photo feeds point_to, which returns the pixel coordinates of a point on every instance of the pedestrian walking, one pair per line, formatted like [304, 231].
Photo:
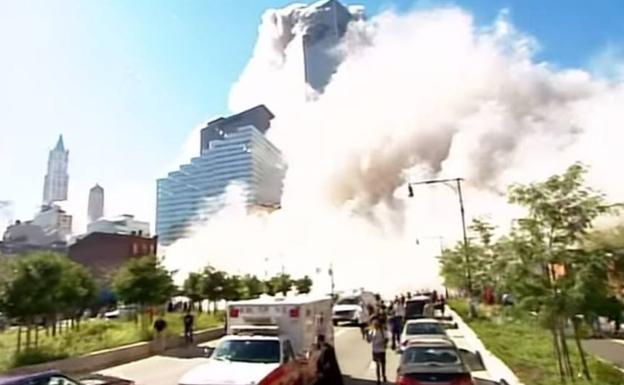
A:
[327, 367]
[396, 325]
[160, 340]
[379, 341]
[363, 321]
[188, 320]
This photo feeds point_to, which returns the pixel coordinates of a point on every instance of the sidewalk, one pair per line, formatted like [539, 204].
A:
[608, 350]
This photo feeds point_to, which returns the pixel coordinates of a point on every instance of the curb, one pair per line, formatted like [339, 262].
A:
[103, 359]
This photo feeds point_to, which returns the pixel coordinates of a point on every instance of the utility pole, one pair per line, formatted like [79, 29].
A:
[458, 190]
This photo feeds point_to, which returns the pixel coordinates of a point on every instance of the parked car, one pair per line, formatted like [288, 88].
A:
[124, 312]
[415, 307]
[432, 361]
[424, 328]
[54, 377]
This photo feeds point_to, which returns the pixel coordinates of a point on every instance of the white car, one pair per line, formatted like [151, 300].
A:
[347, 309]
[241, 360]
[424, 328]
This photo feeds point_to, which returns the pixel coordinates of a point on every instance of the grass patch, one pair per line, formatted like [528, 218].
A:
[93, 335]
[527, 348]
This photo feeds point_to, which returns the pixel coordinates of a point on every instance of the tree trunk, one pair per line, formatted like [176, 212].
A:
[36, 335]
[579, 346]
[28, 335]
[19, 338]
[566, 351]
[558, 353]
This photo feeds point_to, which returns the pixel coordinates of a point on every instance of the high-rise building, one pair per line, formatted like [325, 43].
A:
[324, 23]
[234, 150]
[95, 210]
[56, 179]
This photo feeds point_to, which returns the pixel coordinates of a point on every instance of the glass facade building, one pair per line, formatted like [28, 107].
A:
[236, 152]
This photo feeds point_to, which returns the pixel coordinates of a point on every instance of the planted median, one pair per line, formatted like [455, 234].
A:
[526, 347]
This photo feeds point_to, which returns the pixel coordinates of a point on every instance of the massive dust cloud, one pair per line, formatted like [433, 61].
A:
[419, 95]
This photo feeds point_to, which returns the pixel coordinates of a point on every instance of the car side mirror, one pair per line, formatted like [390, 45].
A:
[208, 351]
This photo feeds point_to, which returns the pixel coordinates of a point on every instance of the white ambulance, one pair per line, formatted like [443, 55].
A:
[269, 341]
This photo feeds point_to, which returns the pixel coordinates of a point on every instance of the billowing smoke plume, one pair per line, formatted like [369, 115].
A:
[418, 95]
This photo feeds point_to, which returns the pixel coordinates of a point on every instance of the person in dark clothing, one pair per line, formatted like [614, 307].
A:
[160, 339]
[327, 367]
[188, 327]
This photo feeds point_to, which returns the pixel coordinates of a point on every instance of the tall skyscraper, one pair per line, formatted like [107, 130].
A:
[323, 24]
[234, 150]
[56, 179]
[96, 203]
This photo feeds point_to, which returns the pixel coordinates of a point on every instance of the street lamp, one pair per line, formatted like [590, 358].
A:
[458, 190]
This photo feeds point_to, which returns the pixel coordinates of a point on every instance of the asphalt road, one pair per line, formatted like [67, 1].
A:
[608, 350]
[354, 357]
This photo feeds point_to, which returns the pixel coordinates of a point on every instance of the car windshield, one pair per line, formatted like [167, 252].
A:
[264, 351]
[431, 355]
[423, 328]
[414, 307]
[349, 301]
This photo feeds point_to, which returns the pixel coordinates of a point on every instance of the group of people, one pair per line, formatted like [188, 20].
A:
[382, 324]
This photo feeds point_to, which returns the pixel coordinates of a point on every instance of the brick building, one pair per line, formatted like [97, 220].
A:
[103, 253]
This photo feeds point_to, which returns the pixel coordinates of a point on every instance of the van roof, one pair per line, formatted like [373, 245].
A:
[419, 298]
[296, 300]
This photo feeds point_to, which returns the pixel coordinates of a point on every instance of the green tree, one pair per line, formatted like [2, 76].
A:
[561, 211]
[234, 289]
[42, 284]
[213, 285]
[281, 283]
[304, 285]
[77, 290]
[145, 282]
[253, 286]
[192, 287]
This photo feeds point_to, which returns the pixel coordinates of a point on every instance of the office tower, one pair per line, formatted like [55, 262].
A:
[96, 203]
[56, 179]
[234, 151]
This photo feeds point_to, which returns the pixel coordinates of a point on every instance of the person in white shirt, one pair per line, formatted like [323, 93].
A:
[379, 341]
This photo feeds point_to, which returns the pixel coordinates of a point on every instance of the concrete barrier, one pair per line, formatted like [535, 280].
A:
[116, 356]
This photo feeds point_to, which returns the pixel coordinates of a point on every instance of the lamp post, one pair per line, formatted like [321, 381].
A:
[458, 190]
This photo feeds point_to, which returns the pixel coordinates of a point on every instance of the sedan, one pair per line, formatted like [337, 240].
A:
[432, 362]
[423, 328]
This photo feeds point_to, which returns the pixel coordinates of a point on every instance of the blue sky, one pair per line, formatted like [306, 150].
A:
[126, 81]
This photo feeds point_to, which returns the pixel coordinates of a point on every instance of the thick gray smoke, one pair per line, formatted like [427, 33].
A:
[419, 95]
